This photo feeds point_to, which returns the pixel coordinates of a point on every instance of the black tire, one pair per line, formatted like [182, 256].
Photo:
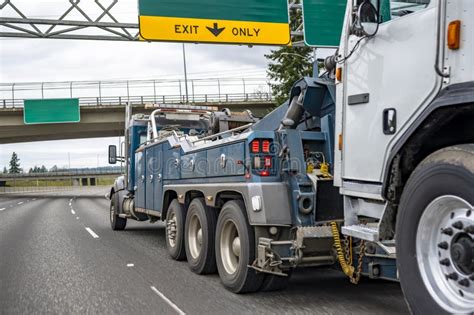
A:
[117, 223]
[276, 283]
[449, 171]
[176, 249]
[205, 261]
[243, 279]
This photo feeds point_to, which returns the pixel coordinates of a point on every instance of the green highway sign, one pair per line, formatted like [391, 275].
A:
[253, 22]
[51, 111]
[323, 21]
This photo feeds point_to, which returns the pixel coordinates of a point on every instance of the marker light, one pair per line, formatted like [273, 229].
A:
[265, 173]
[340, 142]
[339, 74]
[454, 35]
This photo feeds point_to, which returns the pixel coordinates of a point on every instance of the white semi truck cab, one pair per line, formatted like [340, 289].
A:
[404, 157]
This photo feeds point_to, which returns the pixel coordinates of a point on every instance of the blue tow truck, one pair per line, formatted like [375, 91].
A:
[251, 199]
[369, 167]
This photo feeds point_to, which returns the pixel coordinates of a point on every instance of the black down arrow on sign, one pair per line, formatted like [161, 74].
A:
[216, 30]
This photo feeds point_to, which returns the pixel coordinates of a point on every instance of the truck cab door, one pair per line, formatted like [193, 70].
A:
[388, 80]
[150, 178]
[157, 178]
[140, 179]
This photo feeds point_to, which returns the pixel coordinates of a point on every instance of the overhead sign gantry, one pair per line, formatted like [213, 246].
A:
[253, 22]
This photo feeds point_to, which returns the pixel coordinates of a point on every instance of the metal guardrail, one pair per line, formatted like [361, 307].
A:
[140, 92]
[163, 99]
[66, 174]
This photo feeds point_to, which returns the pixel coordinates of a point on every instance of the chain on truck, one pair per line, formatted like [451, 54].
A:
[369, 167]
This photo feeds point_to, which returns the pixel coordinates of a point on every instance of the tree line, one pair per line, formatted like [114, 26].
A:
[14, 167]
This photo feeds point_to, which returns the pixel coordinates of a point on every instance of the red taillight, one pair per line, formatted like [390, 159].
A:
[265, 173]
[255, 146]
[266, 146]
[268, 162]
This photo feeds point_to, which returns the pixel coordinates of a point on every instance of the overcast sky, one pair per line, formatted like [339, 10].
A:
[39, 60]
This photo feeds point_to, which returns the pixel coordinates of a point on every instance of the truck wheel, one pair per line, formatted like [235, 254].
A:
[117, 223]
[235, 249]
[275, 283]
[200, 232]
[435, 233]
[175, 220]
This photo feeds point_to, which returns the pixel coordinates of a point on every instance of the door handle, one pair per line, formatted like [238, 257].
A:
[151, 178]
[389, 121]
[159, 177]
[142, 178]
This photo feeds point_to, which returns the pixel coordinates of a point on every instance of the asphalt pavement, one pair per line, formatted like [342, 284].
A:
[59, 256]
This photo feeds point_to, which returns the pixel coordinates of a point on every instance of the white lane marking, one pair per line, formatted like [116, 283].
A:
[33, 199]
[130, 265]
[21, 202]
[176, 308]
[77, 218]
[92, 233]
[2, 209]
[72, 211]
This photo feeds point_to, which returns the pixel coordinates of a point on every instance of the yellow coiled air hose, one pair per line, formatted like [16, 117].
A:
[346, 267]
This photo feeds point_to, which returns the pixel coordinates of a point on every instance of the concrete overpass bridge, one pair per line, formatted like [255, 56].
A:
[102, 104]
[86, 177]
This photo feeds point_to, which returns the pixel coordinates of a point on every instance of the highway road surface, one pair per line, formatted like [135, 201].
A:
[59, 256]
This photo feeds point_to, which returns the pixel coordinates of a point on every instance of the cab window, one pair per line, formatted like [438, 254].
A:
[143, 138]
[394, 9]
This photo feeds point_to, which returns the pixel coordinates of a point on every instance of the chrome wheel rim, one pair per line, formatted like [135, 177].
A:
[195, 236]
[171, 229]
[230, 248]
[442, 243]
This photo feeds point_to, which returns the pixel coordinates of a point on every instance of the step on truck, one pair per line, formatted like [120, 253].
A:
[369, 167]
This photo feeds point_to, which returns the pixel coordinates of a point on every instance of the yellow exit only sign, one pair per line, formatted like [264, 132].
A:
[256, 22]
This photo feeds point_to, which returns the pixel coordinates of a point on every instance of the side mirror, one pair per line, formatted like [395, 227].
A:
[367, 22]
[112, 154]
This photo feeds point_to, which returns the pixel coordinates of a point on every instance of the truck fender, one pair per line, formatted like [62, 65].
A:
[448, 119]
[454, 96]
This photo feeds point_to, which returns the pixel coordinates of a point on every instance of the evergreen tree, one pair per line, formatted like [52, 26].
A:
[54, 169]
[289, 64]
[43, 169]
[15, 164]
[5, 171]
